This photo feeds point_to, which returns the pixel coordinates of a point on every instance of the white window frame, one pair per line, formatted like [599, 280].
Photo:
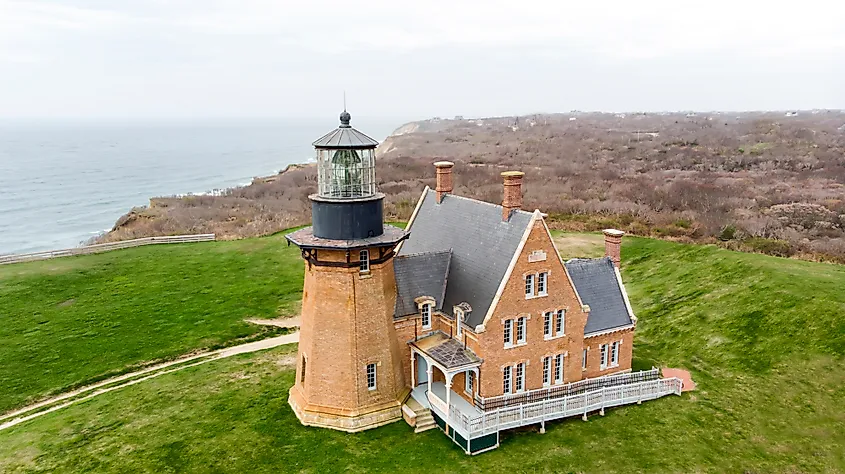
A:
[507, 383]
[547, 324]
[468, 381]
[364, 261]
[543, 284]
[560, 322]
[559, 361]
[547, 369]
[604, 355]
[425, 312]
[529, 286]
[584, 353]
[614, 353]
[521, 330]
[508, 333]
[372, 376]
[519, 377]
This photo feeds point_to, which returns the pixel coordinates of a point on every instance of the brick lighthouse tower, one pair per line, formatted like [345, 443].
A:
[349, 367]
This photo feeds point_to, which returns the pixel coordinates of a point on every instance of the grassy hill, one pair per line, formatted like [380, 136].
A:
[764, 338]
[73, 320]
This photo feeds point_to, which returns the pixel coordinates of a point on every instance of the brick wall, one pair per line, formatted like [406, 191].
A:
[513, 304]
[592, 344]
[347, 322]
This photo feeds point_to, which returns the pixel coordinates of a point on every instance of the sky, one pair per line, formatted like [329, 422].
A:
[396, 58]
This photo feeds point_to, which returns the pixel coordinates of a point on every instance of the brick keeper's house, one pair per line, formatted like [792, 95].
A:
[468, 320]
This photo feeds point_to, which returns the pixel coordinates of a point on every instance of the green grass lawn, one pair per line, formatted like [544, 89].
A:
[764, 338]
[72, 320]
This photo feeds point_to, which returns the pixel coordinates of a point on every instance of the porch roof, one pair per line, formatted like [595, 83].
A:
[446, 351]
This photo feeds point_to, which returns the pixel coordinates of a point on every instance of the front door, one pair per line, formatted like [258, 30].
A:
[422, 370]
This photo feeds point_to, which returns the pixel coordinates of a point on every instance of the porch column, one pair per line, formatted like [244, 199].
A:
[428, 373]
[448, 392]
[413, 371]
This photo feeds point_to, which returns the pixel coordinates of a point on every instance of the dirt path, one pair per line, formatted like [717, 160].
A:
[19, 416]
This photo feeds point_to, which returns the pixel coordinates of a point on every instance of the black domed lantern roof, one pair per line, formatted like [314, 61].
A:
[345, 136]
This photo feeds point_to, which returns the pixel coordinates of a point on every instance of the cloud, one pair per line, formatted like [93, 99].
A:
[285, 56]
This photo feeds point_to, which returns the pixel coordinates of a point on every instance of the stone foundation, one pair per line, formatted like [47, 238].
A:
[345, 420]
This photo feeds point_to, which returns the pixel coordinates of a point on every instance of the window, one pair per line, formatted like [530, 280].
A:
[584, 359]
[547, 324]
[508, 332]
[603, 356]
[542, 283]
[520, 377]
[547, 362]
[520, 330]
[559, 368]
[506, 380]
[426, 315]
[470, 377]
[560, 320]
[364, 258]
[614, 354]
[371, 376]
[529, 286]
[302, 373]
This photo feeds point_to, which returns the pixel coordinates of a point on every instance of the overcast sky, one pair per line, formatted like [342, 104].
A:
[415, 59]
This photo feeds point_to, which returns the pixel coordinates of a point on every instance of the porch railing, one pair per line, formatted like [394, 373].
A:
[574, 388]
[571, 405]
[436, 402]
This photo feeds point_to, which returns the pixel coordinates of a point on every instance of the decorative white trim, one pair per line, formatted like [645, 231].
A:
[509, 271]
[625, 295]
[609, 331]
[413, 216]
[560, 259]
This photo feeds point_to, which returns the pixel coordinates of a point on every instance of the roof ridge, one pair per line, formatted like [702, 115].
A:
[448, 195]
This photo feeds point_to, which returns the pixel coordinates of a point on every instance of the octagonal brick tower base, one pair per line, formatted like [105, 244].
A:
[347, 323]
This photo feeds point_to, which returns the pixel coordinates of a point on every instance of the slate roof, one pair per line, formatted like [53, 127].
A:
[422, 274]
[482, 247]
[446, 351]
[596, 284]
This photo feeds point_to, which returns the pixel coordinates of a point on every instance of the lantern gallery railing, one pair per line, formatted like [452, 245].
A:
[346, 173]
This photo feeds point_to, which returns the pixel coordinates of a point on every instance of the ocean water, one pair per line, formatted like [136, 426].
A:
[62, 183]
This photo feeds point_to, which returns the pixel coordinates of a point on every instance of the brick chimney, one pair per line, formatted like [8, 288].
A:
[444, 179]
[512, 199]
[613, 245]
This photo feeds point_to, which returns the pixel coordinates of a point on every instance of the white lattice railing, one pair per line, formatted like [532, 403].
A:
[572, 405]
[561, 391]
[172, 239]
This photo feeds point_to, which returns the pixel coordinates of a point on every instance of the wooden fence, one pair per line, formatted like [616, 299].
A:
[88, 249]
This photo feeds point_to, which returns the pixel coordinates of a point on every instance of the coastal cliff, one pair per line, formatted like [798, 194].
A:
[772, 182]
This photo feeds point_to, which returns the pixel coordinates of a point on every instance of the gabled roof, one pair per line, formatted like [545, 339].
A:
[482, 246]
[421, 274]
[345, 138]
[595, 281]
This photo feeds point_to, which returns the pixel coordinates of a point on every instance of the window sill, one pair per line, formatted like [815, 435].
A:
[428, 328]
[551, 338]
[532, 297]
[518, 344]
[364, 276]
